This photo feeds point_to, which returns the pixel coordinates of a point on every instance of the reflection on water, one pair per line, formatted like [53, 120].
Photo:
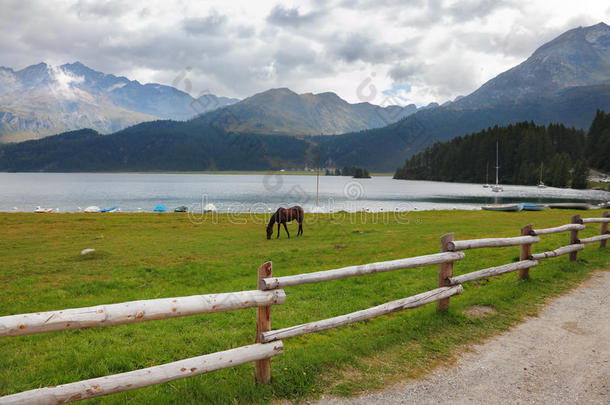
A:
[259, 193]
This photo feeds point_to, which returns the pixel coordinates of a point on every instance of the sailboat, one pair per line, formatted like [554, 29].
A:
[316, 208]
[497, 187]
[541, 184]
[486, 185]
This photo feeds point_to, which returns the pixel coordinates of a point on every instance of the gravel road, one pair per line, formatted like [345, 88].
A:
[560, 357]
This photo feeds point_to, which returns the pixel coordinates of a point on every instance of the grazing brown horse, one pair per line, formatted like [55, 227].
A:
[283, 215]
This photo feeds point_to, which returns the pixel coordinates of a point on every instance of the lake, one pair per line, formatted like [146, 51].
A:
[134, 192]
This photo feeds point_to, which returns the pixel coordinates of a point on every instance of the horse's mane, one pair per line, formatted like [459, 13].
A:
[274, 218]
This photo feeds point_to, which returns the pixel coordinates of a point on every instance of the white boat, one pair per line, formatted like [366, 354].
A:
[496, 188]
[91, 209]
[40, 210]
[503, 207]
[209, 207]
[486, 185]
[541, 184]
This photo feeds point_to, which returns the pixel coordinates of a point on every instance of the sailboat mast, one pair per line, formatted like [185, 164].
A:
[497, 163]
[487, 174]
[318, 178]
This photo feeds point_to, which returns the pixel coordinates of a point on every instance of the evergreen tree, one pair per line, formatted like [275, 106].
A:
[598, 142]
[523, 147]
[560, 170]
[580, 174]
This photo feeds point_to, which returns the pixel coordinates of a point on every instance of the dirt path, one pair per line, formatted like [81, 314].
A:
[563, 356]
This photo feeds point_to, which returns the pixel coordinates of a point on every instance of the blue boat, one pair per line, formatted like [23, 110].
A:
[160, 208]
[109, 209]
[533, 207]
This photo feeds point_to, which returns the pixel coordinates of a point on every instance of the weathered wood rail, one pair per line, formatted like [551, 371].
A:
[492, 271]
[145, 377]
[557, 229]
[491, 242]
[135, 311]
[370, 313]
[353, 271]
[269, 293]
[558, 252]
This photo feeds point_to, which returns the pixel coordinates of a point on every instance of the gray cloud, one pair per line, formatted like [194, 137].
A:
[291, 17]
[439, 48]
[366, 48]
[100, 9]
[213, 23]
[406, 72]
[467, 10]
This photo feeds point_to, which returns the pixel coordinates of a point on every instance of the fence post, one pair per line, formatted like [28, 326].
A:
[526, 251]
[262, 368]
[604, 229]
[445, 270]
[574, 237]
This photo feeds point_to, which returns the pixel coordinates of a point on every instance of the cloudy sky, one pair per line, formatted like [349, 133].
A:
[381, 51]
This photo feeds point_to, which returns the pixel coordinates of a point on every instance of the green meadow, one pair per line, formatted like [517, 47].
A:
[145, 256]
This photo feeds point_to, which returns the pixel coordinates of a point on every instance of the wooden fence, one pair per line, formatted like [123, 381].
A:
[269, 293]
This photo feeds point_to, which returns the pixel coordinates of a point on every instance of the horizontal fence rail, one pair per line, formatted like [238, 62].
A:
[131, 380]
[492, 271]
[595, 238]
[595, 220]
[135, 311]
[268, 293]
[558, 252]
[491, 242]
[383, 309]
[558, 229]
[353, 271]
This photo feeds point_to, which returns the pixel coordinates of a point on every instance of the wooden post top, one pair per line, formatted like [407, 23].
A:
[445, 239]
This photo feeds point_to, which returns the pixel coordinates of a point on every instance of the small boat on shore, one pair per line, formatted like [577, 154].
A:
[209, 207]
[571, 206]
[91, 209]
[496, 188]
[486, 185]
[541, 183]
[182, 208]
[533, 207]
[160, 208]
[110, 209]
[503, 207]
[40, 210]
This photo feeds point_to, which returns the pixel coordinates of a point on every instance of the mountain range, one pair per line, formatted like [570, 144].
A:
[282, 111]
[564, 81]
[42, 100]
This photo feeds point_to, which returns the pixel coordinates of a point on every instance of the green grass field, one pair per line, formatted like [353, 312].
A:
[145, 256]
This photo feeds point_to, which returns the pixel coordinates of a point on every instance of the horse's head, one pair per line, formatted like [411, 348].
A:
[269, 231]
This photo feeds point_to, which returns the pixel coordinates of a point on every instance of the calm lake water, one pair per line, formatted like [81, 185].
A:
[23, 192]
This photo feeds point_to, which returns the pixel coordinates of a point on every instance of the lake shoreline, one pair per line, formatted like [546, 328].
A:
[262, 193]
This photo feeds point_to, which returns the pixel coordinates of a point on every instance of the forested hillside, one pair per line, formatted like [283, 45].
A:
[525, 149]
[158, 145]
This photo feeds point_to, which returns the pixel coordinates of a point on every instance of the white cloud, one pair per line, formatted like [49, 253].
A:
[438, 49]
[63, 82]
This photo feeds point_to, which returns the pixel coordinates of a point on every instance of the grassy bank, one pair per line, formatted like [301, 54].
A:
[143, 256]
